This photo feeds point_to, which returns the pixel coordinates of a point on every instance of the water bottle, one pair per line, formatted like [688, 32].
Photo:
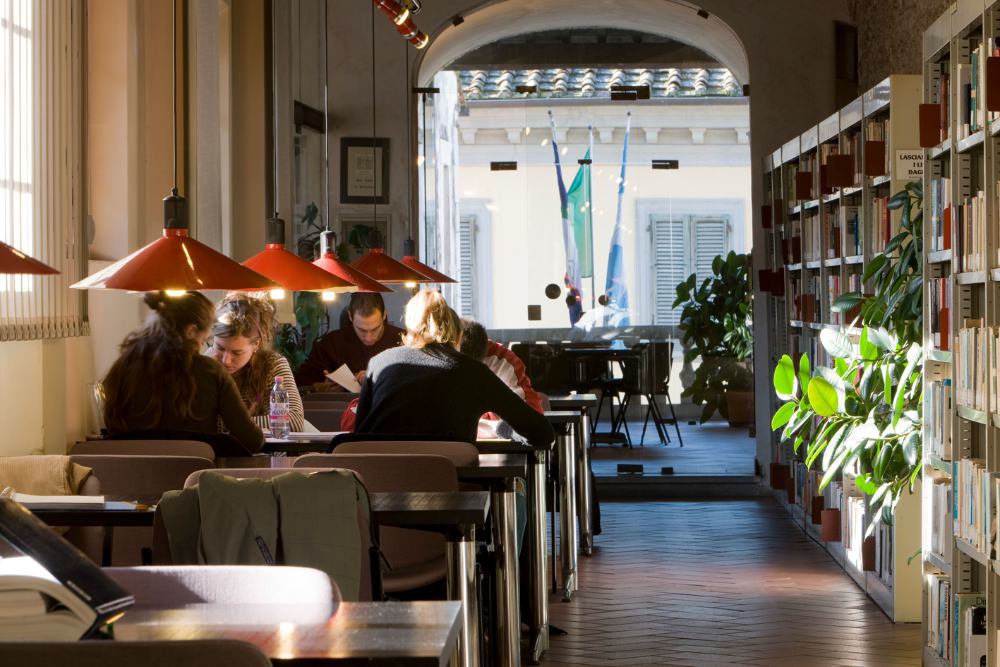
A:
[279, 409]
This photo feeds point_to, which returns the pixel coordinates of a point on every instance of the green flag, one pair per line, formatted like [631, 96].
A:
[578, 203]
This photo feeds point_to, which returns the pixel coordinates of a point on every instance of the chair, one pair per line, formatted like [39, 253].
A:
[327, 397]
[460, 453]
[661, 358]
[161, 547]
[100, 653]
[146, 447]
[325, 418]
[417, 557]
[139, 477]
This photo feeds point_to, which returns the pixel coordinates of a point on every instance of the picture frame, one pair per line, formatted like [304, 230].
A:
[364, 170]
[356, 231]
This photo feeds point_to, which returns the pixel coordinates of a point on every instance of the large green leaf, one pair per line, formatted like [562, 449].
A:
[846, 301]
[867, 350]
[785, 382]
[804, 372]
[836, 342]
[782, 415]
[822, 397]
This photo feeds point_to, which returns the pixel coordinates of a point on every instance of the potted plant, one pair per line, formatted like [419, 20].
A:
[864, 413]
[715, 325]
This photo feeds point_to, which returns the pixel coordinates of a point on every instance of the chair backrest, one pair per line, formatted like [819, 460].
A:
[101, 653]
[139, 477]
[146, 447]
[329, 397]
[162, 550]
[405, 549]
[662, 353]
[460, 453]
[88, 539]
[325, 416]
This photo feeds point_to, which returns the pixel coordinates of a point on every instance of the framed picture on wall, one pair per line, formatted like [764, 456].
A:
[362, 231]
[364, 170]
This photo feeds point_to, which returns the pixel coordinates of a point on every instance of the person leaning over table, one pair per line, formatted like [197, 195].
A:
[241, 342]
[354, 345]
[427, 386]
[499, 359]
[160, 384]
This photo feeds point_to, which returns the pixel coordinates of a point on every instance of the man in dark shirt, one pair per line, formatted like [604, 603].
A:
[367, 335]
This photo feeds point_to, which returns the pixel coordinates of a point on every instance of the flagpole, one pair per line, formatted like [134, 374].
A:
[615, 287]
[590, 211]
[572, 276]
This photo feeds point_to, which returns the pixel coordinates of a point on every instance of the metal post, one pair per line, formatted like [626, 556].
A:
[584, 491]
[539, 558]
[508, 640]
[461, 558]
[569, 542]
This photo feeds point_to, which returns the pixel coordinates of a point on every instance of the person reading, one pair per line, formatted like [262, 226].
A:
[367, 334]
[428, 387]
[241, 342]
[160, 386]
[499, 359]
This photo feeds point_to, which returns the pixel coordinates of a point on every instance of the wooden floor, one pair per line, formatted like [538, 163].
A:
[728, 582]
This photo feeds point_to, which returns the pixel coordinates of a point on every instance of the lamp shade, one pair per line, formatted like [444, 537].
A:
[13, 261]
[410, 260]
[378, 265]
[328, 261]
[176, 261]
[295, 273]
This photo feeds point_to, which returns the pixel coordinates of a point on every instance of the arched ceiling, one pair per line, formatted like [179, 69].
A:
[670, 18]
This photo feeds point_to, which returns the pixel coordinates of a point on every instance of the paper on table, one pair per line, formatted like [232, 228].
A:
[345, 378]
[46, 502]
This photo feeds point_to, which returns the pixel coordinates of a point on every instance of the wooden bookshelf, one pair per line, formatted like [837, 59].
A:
[835, 207]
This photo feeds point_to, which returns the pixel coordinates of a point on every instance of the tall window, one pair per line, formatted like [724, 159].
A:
[466, 263]
[683, 246]
[40, 164]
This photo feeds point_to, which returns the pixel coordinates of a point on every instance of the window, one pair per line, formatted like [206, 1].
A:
[681, 247]
[466, 264]
[40, 164]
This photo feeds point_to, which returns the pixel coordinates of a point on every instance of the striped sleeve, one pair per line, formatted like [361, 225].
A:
[296, 414]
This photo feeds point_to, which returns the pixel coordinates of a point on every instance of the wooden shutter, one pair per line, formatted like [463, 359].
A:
[670, 267]
[466, 269]
[711, 238]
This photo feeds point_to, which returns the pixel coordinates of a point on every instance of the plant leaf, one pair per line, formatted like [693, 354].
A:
[804, 372]
[822, 397]
[785, 383]
[783, 414]
[836, 342]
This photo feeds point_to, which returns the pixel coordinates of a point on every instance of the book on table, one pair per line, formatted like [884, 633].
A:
[50, 591]
[58, 502]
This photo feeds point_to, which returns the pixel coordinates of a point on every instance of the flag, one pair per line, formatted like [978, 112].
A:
[580, 215]
[572, 276]
[615, 288]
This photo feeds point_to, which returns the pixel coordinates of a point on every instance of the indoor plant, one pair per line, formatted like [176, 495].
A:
[864, 414]
[715, 325]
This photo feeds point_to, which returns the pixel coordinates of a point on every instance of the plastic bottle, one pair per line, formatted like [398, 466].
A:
[279, 409]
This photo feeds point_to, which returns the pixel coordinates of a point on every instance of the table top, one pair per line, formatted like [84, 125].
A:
[413, 634]
[562, 416]
[569, 401]
[494, 467]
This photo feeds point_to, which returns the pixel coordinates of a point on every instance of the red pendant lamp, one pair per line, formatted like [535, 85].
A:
[378, 265]
[13, 261]
[328, 261]
[290, 270]
[410, 260]
[175, 261]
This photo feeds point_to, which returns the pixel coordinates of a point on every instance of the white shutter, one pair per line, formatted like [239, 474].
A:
[670, 268]
[466, 259]
[711, 239]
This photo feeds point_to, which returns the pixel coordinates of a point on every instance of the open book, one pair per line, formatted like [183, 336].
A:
[57, 502]
[52, 592]
[345, 378]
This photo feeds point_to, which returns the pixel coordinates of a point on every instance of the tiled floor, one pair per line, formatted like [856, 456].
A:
[712, 448]
[729, 582]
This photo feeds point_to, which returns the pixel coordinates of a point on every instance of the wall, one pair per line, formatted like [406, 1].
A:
[890, 34]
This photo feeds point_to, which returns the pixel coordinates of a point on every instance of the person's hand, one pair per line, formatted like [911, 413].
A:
[360, 376]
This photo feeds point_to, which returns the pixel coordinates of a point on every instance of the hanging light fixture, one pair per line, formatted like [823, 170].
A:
[175, 262]
[410, 260]
[288, 269]
[13, 261]
[399, 13]
[375, 262]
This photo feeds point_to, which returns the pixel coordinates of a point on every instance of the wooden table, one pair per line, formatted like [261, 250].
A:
[606, 354]
[397, 634]
[582, 404]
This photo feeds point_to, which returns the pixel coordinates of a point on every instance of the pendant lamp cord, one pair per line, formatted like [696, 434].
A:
[274, 107]
[326, 113]
[374, 165]
[409, 141]
[173, 85]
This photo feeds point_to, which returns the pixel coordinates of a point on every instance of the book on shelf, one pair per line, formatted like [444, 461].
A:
[59, 592]
[972, 354]
[972, 486]
[940, 214]
[877, 132]
[971, 237]
[941, 520]
[940, 404]
[939, 296]
[812, 237]
[974, 637]
[852, 147]
[881, 228]
[940, 95]
[963, 604]
[854, 533]
[849, 220]
[939, 626]
[832, 292]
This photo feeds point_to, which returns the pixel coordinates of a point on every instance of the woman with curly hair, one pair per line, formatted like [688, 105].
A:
[160, 386]
[243, 330]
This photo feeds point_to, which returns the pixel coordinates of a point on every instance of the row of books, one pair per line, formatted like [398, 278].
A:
[971, 485]
[970, 228]
[812, 237]
[877, 129]
[854, 532]
[968, 100]
[939, 311]
[881, 224]
[975, 346]
[852, 146]
[939, 623]
[941, 519]
[940, 214]
[938, 417]
[883, 554]
[956, 623]
[849, 217]
[833, 291]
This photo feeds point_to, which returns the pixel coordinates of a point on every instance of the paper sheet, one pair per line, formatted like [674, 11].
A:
[345, 378]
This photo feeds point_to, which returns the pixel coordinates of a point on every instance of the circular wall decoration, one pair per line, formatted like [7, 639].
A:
[552, 291]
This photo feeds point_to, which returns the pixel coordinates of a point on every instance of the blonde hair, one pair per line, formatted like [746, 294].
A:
[429, 319]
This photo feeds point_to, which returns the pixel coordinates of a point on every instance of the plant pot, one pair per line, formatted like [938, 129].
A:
[739, 404]
[830, 529]
[818, 504]
[868, 554]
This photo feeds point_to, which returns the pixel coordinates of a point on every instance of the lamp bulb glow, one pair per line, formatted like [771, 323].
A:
[402, 16]
[411, 285]
[175, 292]
[277, 294]
[329, 296]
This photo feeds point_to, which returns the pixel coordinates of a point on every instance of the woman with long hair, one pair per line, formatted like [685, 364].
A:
[428, 387]
[242, 335]
[161, 386]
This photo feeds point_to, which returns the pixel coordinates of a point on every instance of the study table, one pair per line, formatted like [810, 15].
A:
[385, 634]
[582, 404]
[606, 354]
[565, 423]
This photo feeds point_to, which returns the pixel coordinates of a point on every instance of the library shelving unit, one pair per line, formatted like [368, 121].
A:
[962, 311]
[828, 192]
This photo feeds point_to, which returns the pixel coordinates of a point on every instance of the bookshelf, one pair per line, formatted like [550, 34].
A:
[829, 188]
[962, 311]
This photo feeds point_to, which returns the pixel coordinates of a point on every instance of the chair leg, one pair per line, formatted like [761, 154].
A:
[622, 418]
[658, 420]
[673, 417]
[645, 422]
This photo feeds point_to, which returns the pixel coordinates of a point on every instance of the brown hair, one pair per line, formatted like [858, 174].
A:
[240, 314]
[160, 350]
[365, 304]
[429, 320]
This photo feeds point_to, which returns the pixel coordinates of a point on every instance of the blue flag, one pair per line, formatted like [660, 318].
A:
[572, 276]
[615, 288]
